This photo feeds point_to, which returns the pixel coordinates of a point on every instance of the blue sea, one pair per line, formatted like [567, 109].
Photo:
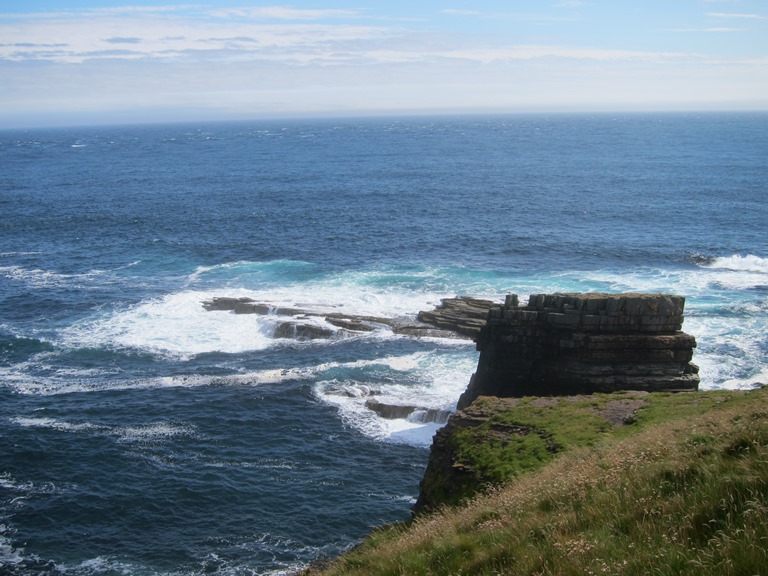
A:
[143, 435]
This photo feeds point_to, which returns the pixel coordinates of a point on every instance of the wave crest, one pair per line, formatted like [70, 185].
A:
[748, 263]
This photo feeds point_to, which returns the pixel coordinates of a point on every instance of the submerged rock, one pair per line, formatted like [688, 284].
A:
[399, 411]
[298, 331]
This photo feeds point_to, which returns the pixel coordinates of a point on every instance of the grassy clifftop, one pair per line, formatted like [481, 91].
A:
[607, 484]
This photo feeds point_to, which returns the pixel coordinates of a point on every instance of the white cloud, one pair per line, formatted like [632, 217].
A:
[705, 30]
[738, 16]
[79, 38]
[206, 62]
[535, 51]
[75, 39]
[459, 12]
[283, 13]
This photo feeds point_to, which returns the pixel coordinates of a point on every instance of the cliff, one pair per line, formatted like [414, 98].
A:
[581, 343]
[679, 487]
[624, 477]
[495, 439]
[570, 346]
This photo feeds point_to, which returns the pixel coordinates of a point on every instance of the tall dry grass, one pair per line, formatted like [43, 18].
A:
[685, 497]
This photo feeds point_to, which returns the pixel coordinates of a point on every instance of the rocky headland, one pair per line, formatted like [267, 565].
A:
[573, 444]
[558, 346]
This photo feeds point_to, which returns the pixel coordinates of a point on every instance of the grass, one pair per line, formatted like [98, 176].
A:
[681, 491]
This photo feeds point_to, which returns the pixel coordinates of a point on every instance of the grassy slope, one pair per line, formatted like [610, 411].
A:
[683, 489]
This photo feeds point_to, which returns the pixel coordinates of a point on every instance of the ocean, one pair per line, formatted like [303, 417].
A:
[141, 434]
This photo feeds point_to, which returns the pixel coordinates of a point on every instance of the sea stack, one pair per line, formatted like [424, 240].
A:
[560, 344]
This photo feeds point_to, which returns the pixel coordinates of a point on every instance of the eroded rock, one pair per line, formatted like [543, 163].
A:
[561, 344]
[459, 317]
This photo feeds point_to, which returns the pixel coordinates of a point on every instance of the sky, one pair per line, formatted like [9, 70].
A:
[109, 61]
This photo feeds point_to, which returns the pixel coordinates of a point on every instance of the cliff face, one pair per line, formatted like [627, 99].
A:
[583, 343]
[496, 439]
[560, 351]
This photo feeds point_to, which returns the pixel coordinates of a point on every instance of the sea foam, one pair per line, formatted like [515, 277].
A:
[748, 263]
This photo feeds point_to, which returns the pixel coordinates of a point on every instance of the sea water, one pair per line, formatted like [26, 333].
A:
[143, 435]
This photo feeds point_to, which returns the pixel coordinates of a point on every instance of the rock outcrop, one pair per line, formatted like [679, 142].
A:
[562, 344]
[459, 317]
[463, 315]
[415, 413]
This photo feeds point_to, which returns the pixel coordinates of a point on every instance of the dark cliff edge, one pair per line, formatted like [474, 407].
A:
[557, 345]
[581, 343]
[571, 440]
[627, 483]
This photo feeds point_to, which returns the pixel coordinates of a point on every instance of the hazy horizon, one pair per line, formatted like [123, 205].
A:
[101, 62]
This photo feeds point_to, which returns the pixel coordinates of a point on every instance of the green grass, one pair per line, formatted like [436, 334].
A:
[681, 491]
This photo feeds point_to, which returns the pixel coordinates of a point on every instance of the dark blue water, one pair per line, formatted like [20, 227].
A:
[141, 434]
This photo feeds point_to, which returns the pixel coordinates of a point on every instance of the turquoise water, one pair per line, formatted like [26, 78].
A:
[142, 434]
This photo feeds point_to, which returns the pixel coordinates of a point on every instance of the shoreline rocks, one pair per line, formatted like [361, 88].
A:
[459, 317]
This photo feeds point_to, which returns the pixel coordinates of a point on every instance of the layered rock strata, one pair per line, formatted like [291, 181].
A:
[460, 317]
[463, 315]
[562, 344]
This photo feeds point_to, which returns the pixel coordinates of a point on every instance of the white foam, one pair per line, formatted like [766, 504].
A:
[386, 293]
[20, 253]
[428, 380]
[728, 350]
[748, 263]
[53, 424]
[177, 325]
[153, 432]
[9, 556]
[146, 433]
[101, 565]
[51, 386]
[37, 278]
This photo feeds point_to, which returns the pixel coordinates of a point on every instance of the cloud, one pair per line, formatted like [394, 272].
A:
[737, 15]
[535, 51]
[123, 40]
[155, 34]
[33, 45]
[260, 60]
[283, 13]
[705, 30]
[458, 12]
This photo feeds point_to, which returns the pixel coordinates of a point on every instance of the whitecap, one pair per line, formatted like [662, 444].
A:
[175, 325]
[748, 263]
[51, 386]
[149, 433]
[54, 424]
[431, 380]
[37, 278]
[20, 253]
